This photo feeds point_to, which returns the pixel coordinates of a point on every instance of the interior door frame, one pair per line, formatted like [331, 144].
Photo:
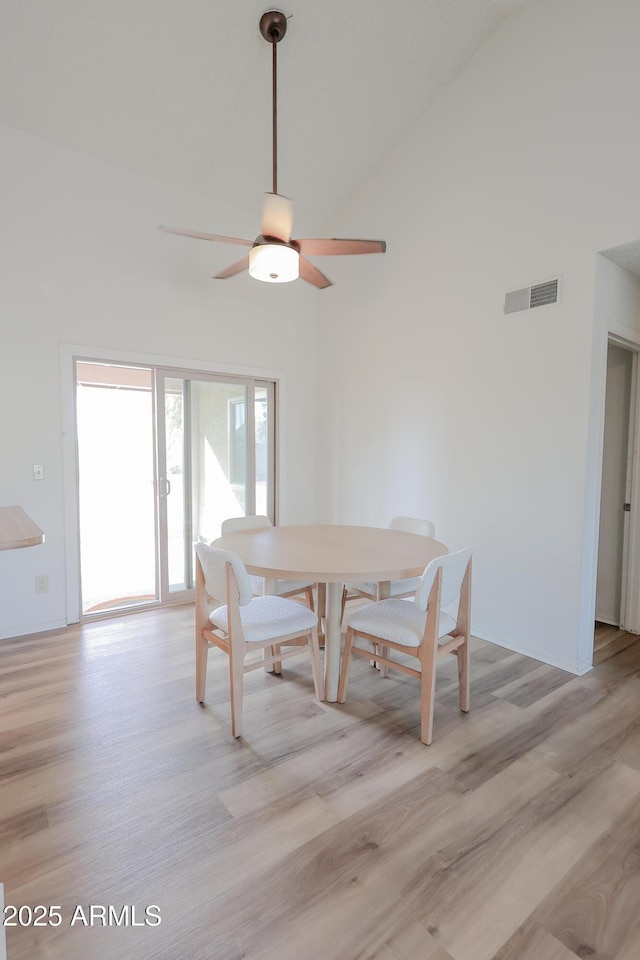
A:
[68, 355]
[629, 610]
[630, 597]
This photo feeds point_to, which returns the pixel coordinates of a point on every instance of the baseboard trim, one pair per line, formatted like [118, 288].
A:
[33, 628]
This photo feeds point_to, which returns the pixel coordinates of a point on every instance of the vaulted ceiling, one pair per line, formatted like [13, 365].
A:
[180, 90]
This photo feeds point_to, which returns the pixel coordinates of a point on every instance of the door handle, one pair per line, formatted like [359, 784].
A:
[166, 483]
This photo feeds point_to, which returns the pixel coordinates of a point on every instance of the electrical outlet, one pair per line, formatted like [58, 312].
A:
[38, 471]
[42, 584]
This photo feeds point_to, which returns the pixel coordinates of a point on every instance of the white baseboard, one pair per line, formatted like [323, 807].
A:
[33, 628]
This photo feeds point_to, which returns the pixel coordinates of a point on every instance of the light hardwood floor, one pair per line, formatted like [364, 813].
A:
[329, 832]
[609, 640]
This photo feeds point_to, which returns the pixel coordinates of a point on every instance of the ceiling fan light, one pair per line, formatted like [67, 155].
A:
[274, 263]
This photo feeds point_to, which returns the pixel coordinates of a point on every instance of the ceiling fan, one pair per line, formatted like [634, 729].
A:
[274, 255]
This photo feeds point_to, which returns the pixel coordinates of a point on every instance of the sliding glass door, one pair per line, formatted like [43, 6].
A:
[163, 458]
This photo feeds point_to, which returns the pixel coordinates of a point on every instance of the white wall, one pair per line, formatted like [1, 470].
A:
[81, 262]
[441, 406]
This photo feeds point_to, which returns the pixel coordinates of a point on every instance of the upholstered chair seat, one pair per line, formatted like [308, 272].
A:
[267, 617]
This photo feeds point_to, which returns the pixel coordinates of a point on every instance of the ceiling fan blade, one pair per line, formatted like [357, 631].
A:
[312, 275]
[231, 271]
[329, 248]
[277, 217]
[206, 236]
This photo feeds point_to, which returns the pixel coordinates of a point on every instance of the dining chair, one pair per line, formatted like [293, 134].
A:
[434, 623]
[397, 588]
[246, 623]
[285, 588]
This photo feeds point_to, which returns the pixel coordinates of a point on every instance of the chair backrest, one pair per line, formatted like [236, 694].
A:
[453, 566]
[232, 524]
[413, 525]
[214, 567]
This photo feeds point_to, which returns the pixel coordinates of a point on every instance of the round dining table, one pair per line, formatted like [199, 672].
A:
[17, 529]
[332, 554]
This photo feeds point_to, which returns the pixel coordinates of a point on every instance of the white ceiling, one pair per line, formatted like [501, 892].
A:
[626, 256]
[180, 90]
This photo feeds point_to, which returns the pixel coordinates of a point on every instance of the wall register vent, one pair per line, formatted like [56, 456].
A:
[540, 295]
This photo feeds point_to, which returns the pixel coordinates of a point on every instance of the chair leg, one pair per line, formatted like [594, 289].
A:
[309, 596]
[344, 603]
[316, 664]
[236, 678]
[277, 664]
[464, 651]
[464, 675]
[427, 693]
[384, 669]
[202, 650]
[346, 664]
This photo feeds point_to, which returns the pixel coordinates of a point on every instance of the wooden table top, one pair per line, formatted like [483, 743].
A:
[17, 529]
[332, 553]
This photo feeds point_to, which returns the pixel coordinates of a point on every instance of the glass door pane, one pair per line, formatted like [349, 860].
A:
[220, 451]
[204, 475]
[115, 442]
[215, 461]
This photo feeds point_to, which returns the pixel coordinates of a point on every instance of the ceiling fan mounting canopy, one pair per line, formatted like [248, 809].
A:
[275, 257]
[273, 26]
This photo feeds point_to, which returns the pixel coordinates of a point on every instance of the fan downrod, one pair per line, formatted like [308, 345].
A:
[273, 26]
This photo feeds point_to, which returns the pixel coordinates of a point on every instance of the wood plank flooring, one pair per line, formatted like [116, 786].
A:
[329, 832]
[609, 640]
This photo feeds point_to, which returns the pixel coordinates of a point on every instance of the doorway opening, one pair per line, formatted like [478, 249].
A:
[616, 623]
[163, 457]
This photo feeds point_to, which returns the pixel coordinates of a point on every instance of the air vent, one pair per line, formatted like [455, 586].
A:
[540, 295]
[544, 293]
